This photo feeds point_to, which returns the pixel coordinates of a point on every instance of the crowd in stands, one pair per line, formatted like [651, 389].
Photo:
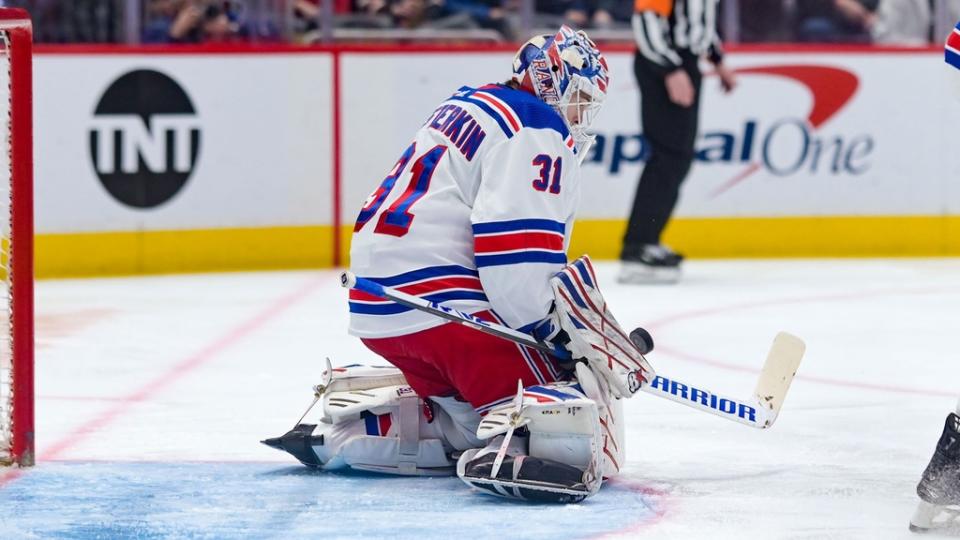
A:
[502, 16]
[907, 22]
[192, 21]
[77, 21]
[893, 22]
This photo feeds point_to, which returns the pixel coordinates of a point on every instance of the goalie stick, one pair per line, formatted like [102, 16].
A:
[759, 411]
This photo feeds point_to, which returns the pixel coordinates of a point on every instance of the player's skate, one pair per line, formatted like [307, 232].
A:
[554, 443]
[299, 443]
[939, 489]
[521, 476]
[650, 264]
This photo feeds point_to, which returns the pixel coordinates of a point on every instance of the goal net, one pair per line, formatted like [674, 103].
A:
[16, 239]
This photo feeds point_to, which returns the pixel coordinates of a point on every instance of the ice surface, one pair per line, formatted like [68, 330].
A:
[154, 392]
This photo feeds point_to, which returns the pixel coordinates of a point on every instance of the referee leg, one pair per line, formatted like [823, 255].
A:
[671, 131]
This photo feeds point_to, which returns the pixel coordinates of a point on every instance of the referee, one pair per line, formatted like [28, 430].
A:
[671, 36]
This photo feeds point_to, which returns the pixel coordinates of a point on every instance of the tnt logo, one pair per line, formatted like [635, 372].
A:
[145, 139]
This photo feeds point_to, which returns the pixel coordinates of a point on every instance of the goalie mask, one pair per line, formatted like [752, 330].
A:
[568, 73]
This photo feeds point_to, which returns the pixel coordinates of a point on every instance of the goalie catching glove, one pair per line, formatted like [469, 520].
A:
[593, 332]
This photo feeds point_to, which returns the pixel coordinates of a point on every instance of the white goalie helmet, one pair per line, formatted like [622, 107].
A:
[568, 73]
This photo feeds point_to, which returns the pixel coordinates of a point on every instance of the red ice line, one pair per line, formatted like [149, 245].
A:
[811, 378]
[659, 506]
[171, 376]
[799, 300]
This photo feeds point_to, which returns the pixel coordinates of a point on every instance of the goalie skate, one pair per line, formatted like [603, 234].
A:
[372, 420]
[525, 477]
[548, 445]
[939, 489]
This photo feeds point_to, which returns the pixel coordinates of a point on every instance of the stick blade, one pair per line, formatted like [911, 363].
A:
[778, 371]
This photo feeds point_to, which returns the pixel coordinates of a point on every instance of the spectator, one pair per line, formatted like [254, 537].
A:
[764, 21]
[490, 14]
[836, 21]
[191, 21]
[894, 22]
[408, 13]
[79, 21]
[611, 14]
[553, 13]
[902, 22]
[160, 15]
[346, 14]
[860, 17]
[218, 25]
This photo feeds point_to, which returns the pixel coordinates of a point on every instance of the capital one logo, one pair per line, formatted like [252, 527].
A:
[791, 145]
[144, 138]
[781, 146]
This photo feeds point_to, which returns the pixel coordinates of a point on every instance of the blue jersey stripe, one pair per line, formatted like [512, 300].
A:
[490, 112]
[521, 257]
[519, 225]
[377, 309]
[551, 392]
[532, 112]
[393, 308]
[953, 59]
[424, 273]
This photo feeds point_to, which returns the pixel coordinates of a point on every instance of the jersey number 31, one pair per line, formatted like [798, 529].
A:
[396, 220]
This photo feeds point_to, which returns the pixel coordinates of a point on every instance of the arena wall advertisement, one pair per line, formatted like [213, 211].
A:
[157, 163]
[183, 162]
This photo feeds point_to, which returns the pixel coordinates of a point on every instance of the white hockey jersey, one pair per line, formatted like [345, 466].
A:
[476, 215]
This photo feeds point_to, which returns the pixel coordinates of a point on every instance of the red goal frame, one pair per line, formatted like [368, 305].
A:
[16, 24]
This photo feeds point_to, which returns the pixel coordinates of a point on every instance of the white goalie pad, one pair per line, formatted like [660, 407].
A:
[610, 414]
[595, 335]
[372, 420]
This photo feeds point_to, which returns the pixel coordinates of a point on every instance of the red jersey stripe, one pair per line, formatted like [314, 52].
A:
[508, 114]
[515, 241]
[954, 39]
[471, 283]
[364, 297]
[440, 284]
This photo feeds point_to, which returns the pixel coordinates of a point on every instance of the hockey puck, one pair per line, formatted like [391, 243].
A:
[642, 340]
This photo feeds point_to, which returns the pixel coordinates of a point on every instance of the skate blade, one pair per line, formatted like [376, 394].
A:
[299, 442]
[933, 518]
[549, 492]
[640, 274]
[538, 485]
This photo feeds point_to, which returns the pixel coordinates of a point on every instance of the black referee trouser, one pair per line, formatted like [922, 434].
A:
[671, 131]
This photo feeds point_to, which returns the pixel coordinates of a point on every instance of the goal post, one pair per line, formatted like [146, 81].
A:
[16, 240]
